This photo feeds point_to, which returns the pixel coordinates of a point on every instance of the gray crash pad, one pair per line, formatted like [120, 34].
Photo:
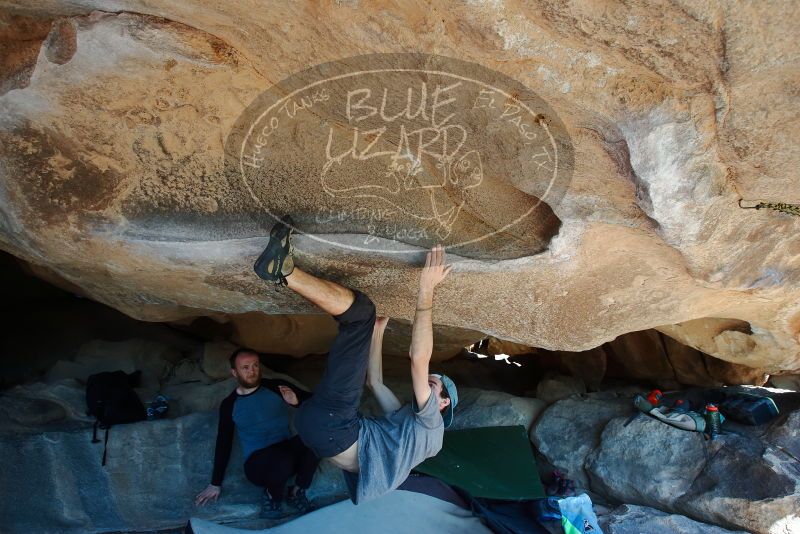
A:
[397, 512]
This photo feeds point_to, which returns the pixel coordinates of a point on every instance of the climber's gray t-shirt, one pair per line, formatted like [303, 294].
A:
[389, 447]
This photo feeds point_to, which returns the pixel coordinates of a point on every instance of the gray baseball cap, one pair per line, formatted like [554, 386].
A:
[452, 392]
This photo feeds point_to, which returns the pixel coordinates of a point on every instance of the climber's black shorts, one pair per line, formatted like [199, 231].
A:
[328, 422]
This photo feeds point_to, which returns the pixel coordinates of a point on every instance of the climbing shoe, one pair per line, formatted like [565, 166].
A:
[271, 508]
[276, 263]
[298, 502]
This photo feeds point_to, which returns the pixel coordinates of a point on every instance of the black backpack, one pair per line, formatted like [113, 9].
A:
[110, 398]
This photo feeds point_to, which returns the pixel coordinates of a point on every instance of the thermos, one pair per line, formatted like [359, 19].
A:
[713, 424]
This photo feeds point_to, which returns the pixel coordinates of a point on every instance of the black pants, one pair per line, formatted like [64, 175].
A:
[328, 421]
[273, 466]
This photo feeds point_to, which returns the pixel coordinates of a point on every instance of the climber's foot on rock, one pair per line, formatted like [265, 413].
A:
[276, 262]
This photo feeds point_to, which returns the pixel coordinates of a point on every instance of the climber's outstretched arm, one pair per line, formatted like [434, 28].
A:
[421, 349]
[387, 400]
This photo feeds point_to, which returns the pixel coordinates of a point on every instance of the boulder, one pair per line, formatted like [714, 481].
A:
[788, 382]
[67, 369]
[301, 335]
[733, 374]
[746, 479]
[153, 472]
[190, 397]
[589, 365]
[216, 359]
[569, 430]
[748, 484]
[693, 367]
[646, 462]
[69, 394]
[479, 408]
[186, 371]
[153, 359]
[29, 412]
[688, 363]
[633, 519]
[786, 436]
[194, 397]
[556, 387]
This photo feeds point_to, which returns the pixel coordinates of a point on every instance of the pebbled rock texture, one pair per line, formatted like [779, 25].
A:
[112, 145]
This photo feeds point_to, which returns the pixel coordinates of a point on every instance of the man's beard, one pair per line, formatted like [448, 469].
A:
[253, 383]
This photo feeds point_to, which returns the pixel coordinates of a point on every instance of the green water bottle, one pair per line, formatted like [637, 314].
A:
[713, 423]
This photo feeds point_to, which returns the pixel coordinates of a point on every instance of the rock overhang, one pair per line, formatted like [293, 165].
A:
[115, 176]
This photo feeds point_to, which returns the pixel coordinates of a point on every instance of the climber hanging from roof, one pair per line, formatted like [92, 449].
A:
[375, 454]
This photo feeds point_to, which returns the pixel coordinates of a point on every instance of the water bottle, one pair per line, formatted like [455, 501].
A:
[713, 423]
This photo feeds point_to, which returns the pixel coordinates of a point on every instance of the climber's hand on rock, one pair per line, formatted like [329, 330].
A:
[435, 269]
[211, 493]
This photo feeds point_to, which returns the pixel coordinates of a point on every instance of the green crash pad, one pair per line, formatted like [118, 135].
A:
[492, 462]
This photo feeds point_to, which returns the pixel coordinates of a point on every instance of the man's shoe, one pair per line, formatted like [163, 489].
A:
[299, 502]
[276, 263]
[272, 509]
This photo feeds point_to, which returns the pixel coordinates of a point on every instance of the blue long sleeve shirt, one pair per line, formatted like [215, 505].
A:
[261, 418]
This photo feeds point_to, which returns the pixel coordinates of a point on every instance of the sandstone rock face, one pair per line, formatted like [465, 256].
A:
[559, 387]
[499, 346]
[590, 366]
[303, 334]
[155, 360]
[790, 382]
[216, 362]
[114, 176]
[655, 358]
[651, 359]
[296, 335]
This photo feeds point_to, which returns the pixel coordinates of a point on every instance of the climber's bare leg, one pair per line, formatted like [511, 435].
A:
[329, 296]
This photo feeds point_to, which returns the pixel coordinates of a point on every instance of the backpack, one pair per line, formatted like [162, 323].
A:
[110, 398]
[749, 409]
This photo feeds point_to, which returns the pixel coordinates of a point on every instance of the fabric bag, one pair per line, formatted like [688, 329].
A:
[110, 398]
[749, 409]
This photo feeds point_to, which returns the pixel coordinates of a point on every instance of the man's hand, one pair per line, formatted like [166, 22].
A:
[211, 493]
[288, 395]
[435, 269]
